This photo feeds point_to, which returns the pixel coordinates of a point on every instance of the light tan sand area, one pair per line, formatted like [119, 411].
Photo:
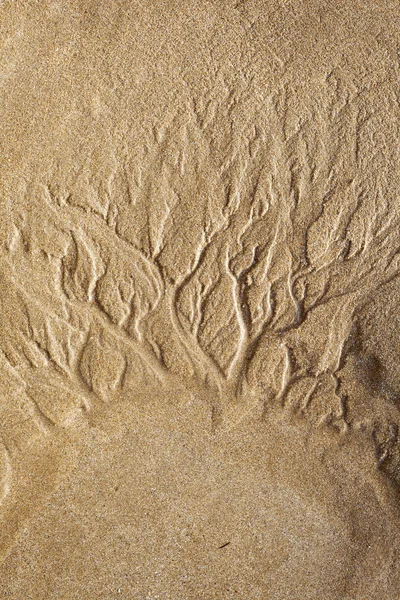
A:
[199, 300]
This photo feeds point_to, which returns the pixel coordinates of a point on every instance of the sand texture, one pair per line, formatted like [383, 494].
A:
[199, 299]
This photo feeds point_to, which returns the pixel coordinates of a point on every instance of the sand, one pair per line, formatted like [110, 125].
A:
[199, 292]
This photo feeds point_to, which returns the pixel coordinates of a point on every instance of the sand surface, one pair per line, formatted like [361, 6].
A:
[199, 300]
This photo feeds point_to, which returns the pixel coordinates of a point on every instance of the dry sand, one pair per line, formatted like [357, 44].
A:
[199, 300]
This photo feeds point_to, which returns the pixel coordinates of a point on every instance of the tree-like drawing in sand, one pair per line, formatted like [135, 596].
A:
[201, 255]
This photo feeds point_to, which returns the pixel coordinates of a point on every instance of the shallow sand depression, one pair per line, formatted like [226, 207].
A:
[159, 508]
[198, 300]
